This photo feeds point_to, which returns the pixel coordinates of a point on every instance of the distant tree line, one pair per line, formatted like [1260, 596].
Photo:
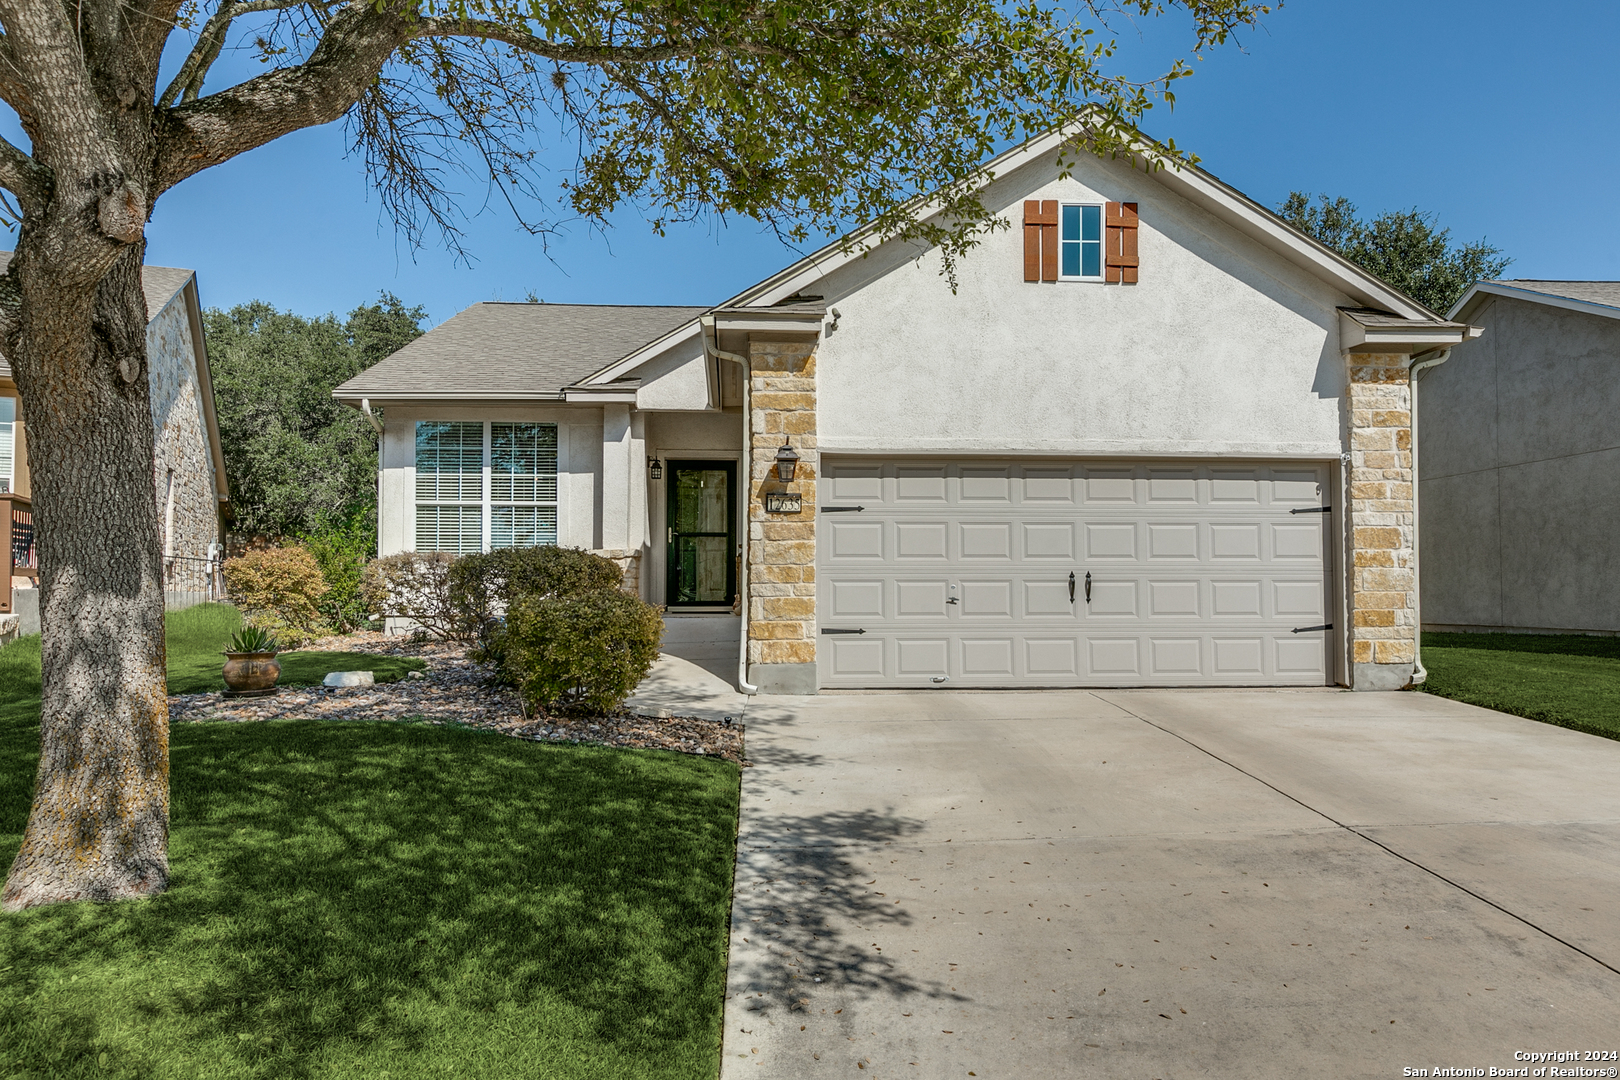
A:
[1406, 248]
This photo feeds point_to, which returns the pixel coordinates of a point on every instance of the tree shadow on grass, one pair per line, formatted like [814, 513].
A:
[361, 898]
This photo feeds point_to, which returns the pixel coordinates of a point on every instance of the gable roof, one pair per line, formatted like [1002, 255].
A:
[1192, 183]
[514, 351]
[1591, 297]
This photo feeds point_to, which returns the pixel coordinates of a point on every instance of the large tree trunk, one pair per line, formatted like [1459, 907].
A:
[98, 829]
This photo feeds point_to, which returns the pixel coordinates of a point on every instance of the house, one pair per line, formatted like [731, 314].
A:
[1520, 447]
[1154, 437]
[189, 475]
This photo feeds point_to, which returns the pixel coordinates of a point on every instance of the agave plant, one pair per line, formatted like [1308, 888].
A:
[252, 639]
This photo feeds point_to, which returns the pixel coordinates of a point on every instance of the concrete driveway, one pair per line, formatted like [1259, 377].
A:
[1160, 884]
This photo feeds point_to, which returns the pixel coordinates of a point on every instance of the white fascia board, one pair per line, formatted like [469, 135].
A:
[352, 398]
[1416, 338]
[766, 320]
[619, 368]
[622, 394]
[1471, 301]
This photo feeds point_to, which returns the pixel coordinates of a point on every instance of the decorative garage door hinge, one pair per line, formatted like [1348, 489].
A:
[1308, 629]
[1311, 510]
[842, 509]
[830, 630]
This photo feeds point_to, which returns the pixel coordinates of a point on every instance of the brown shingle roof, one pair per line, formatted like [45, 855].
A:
[501, 350]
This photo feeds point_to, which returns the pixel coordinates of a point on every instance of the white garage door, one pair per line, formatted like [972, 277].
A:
[961, 574]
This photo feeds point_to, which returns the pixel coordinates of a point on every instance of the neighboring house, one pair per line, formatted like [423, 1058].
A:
[1154, 437]
[189, 476]
[1520, 446]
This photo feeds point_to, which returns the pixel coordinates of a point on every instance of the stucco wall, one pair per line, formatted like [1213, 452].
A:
[579, 469]
[1519, 473]
[1223, 348]
[678, 435]
[180, 433]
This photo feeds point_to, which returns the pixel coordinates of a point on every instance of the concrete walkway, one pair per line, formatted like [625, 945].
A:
[1158, 884]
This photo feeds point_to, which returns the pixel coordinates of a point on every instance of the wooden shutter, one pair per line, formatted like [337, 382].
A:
[1121, 257]
[1040, 240]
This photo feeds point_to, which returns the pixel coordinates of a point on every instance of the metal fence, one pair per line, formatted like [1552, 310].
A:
[189, 581]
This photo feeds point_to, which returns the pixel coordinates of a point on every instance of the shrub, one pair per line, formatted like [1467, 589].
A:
[341, 547]
[484, 587]
[414, 585]
[278, 590]
[581, 653]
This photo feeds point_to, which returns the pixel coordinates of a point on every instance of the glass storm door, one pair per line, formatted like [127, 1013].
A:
[702, 533]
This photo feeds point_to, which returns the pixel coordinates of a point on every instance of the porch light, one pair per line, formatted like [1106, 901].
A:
[655, 468]
[786, 462]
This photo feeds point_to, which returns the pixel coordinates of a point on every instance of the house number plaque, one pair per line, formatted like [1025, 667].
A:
[783, 502]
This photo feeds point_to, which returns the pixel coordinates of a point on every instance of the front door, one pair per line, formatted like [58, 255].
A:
[702, 533]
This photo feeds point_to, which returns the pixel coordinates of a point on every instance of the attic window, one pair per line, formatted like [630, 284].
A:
[1080, 227]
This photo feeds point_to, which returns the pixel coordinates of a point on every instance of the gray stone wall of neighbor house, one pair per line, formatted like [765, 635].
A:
[1519, 466]
[181, 434]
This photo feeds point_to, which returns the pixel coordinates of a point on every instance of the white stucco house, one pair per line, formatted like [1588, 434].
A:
[1155, 437]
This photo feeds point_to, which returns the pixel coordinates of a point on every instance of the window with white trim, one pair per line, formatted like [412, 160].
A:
[8, 444]
[482, 485]
[1080, 242]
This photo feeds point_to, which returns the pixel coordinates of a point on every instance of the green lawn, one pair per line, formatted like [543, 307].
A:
[1565, 679]
[197, 635]
[384, 900]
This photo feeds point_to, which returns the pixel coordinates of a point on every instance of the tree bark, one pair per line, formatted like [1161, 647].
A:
[98, 828]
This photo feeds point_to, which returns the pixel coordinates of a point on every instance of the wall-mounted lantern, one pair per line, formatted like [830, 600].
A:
[786, 462]
[655, 468]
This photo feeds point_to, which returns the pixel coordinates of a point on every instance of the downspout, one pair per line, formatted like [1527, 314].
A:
[1420, 675]
[365, 407]
[747, 479]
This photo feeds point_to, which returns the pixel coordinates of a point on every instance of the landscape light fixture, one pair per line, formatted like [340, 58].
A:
[786, 462]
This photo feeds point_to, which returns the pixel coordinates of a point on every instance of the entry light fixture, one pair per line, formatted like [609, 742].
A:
[655, 468]
[786, 462]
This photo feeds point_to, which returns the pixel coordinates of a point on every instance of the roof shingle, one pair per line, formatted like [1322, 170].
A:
[504, 350]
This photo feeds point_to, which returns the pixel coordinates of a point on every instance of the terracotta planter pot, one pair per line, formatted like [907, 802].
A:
[251, 671]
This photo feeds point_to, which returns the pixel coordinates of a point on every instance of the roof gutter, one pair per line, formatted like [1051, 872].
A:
[712, 349]
[1420, 363]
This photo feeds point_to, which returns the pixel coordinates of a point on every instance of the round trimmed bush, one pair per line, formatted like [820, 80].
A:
[581, 653]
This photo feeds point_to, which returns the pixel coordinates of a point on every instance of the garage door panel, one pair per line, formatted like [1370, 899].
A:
[982, 599]
[849, 540]
[921, 539]
[1199, 574]
[1049, 540]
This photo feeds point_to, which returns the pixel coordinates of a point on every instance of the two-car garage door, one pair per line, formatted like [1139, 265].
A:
[1050, 573]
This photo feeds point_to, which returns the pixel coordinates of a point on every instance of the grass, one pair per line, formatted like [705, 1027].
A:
[383, 900]
[1571, 680]
[197, 635]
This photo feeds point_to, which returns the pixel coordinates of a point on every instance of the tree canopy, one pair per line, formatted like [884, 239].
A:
[298, 462]
[1407, 248]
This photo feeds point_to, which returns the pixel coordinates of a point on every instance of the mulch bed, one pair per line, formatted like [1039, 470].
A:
[456, 690]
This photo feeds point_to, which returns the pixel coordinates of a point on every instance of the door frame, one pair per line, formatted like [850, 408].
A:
[732, 467]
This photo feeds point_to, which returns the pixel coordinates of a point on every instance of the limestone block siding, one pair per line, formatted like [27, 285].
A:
[782, 547]
[180, 434]
[1383, 628]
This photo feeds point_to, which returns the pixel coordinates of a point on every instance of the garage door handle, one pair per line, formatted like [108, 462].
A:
[1088, 586]
[1071, 586]
[831, 630]
[1308, 629]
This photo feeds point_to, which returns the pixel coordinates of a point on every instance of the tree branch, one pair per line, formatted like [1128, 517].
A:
[23, 177]
[189, 79]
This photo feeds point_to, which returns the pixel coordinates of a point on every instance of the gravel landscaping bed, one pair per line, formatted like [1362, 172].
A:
[456, 690]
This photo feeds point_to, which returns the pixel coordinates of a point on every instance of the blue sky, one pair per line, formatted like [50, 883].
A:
[1498, 118]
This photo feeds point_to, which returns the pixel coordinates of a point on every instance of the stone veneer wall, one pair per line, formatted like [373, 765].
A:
[180, 432]
[1383, 637]
[629, 564]
[782, 547]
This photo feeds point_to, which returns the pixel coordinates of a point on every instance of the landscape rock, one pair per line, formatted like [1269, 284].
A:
[349, 678]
